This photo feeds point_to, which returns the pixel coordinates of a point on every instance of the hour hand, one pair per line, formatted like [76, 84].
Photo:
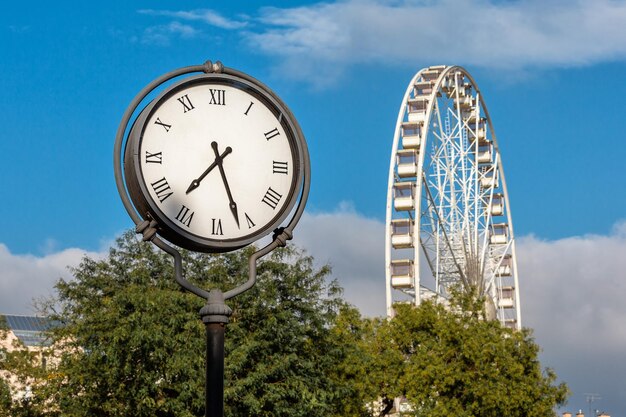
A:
[194, 184]
[218, 161]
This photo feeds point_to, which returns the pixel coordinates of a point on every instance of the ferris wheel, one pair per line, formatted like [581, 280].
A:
[448, 219]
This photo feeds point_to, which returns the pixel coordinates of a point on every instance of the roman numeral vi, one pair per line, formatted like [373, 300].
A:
[216, 228]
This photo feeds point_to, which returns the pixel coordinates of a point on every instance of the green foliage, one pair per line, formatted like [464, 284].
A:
[5, 399]
[280, 349]
[447, 362]
[124, 339]
[361, 375]
[132, 344]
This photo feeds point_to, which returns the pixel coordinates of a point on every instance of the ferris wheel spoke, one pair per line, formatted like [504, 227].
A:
[446, 240]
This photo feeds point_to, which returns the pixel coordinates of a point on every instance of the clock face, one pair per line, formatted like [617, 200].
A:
[218, 163]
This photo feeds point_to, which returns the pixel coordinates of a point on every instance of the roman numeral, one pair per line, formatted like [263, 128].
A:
[272, 133]
[279, 167]
[162, 189]
[271, 198]
[154, 158]
[184, 216]
[218, 97]
[165, 125]
[248, 109]
[216, 228]
[250, 222]
[187, 105]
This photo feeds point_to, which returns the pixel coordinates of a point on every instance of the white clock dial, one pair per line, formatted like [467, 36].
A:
[218, 161]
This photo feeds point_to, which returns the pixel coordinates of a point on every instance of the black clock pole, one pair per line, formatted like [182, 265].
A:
[215, 316]
[214, 405]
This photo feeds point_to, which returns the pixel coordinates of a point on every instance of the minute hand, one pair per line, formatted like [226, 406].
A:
[232, 204]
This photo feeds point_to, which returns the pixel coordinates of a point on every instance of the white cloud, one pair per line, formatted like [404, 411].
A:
[207, 16]
[162, 35]
[323, 39]
[566, 285]
[573, 293]
[319, 42]
[19, 29]
[354, 247]
[574, 289]
[25, 278]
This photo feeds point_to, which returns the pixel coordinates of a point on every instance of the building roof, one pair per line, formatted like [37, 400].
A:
[30, 330]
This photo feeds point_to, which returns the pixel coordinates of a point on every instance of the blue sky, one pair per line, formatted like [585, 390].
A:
[552, 74]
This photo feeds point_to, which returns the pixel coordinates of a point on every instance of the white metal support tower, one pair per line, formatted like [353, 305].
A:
[448, 219]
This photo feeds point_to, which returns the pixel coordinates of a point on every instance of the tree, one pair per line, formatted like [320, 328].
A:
[283, 367]
[130, 342]
[361, 375]
[452, 361]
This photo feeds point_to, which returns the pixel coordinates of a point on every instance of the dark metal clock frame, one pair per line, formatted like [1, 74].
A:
[150, 210]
